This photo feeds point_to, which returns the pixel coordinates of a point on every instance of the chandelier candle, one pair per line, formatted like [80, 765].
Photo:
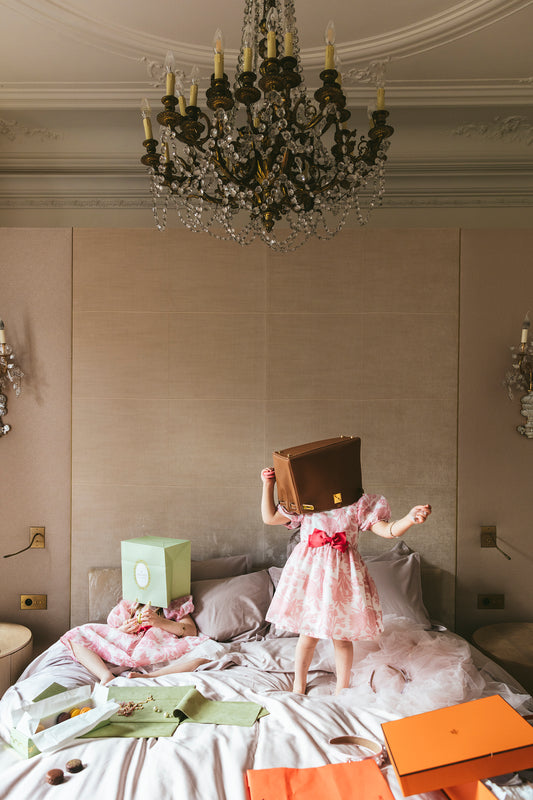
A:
[219, 56]
[266, 160]
[170, 65]
[330, 46]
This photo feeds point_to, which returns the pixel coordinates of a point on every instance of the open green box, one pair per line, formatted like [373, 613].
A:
[155, 569]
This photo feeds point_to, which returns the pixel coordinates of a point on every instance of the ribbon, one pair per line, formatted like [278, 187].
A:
[319, 538]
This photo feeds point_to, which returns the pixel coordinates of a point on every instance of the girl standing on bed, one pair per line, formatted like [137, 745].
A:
[135, 636]
[325, 590]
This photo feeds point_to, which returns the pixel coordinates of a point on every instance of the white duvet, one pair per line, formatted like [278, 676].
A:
[208, 762]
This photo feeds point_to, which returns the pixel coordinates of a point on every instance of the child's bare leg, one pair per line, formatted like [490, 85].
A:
[343, 663]
[188, 665]
[93, 662]
[305, 649]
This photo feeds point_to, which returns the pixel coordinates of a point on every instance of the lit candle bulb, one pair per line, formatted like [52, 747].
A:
[289, 48]
[181, 99]
[330, 46]
[271, 20]
[525, 329]
[147, 121]
[2, 332]
[170, 66]
[247, 44]
[218, 45]
[380, 101]
[193, 94]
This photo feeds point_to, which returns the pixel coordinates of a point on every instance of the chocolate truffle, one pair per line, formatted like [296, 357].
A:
[54, 776]
[74, 765]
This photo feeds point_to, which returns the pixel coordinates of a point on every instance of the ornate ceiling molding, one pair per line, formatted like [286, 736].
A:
[460, 20]
[514, 128]
[12, 129]
[409, 94]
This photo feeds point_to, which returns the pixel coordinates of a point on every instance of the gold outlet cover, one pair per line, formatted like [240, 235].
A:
[33, 602]
[37, 536]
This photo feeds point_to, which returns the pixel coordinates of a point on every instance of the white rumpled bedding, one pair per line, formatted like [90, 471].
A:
[208, 762]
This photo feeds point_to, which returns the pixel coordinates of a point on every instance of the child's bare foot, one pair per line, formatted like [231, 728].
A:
[139, 675]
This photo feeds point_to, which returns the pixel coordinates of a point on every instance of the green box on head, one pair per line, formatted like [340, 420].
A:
[155, 570]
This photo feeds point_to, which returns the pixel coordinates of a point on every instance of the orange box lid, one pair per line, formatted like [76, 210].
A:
[317, 783]
[476, 739]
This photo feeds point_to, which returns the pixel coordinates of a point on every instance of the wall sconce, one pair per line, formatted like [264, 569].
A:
[10, 374]
[520, 377]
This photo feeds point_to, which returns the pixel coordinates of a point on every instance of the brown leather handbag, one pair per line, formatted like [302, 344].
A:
[318, 476]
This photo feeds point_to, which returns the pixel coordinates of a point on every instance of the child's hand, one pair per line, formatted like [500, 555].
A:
[268, 474]
[130, 626]
[149, 616]
[419, 514]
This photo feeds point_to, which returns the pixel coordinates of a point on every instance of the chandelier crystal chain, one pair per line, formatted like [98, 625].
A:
[269, 162]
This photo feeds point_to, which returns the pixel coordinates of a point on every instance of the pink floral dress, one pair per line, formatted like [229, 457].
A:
[325, 590]
[146, 647]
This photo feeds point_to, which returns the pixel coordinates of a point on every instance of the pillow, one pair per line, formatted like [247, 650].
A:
[399, 549]
[233, 609]
[399, 587]
[224, 567]
[275, 575]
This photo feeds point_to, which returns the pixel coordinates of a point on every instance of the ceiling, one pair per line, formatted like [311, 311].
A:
[459, 88]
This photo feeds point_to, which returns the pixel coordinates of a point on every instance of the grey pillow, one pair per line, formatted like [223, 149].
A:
[233, 609]
[399, 587]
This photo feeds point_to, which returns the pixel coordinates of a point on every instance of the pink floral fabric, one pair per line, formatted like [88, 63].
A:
[146, 647]
[324, 592]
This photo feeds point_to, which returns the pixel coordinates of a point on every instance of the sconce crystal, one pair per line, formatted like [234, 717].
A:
[10, 375]
[520, 378]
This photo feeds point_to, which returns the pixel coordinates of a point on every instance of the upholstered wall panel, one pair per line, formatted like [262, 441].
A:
[194, 359]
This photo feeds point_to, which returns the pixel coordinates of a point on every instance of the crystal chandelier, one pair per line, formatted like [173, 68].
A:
[269, 161]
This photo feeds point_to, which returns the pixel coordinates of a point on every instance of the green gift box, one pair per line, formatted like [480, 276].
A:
[155, 570]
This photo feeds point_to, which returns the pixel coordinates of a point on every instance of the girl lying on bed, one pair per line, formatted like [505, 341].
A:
[135, 636]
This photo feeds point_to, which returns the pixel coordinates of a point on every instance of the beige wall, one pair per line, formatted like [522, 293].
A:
[495, 462]
[194, 359]
[35, 456]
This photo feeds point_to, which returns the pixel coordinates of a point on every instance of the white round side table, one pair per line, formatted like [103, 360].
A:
[16, 646]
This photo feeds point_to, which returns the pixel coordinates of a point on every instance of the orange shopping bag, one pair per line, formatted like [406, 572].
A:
[356, 780]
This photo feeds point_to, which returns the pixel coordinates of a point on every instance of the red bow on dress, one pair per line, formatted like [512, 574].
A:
[319, 538]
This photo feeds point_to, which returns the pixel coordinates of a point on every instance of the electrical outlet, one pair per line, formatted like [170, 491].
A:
[33, 602]
[491, 601]
[37, 536]
[488, 536]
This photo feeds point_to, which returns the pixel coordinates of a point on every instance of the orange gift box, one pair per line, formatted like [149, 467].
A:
[474, 790]
[317, 783]
[458, 744]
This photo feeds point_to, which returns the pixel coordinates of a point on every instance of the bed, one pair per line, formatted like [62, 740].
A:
[417, 665]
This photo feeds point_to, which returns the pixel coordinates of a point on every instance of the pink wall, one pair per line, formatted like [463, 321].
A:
[35, 456]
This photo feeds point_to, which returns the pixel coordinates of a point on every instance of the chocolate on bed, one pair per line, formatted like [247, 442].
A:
[74, 765]
[54, 776]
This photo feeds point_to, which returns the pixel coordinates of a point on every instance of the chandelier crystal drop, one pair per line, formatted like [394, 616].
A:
[269, 162]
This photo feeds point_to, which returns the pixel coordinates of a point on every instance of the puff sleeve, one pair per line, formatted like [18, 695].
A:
[372, 508]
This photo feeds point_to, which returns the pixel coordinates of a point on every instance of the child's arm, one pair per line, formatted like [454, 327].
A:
[270, 514]
[397, 527]
[181, 627]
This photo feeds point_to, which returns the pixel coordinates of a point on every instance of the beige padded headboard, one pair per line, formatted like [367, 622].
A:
[105, 591]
